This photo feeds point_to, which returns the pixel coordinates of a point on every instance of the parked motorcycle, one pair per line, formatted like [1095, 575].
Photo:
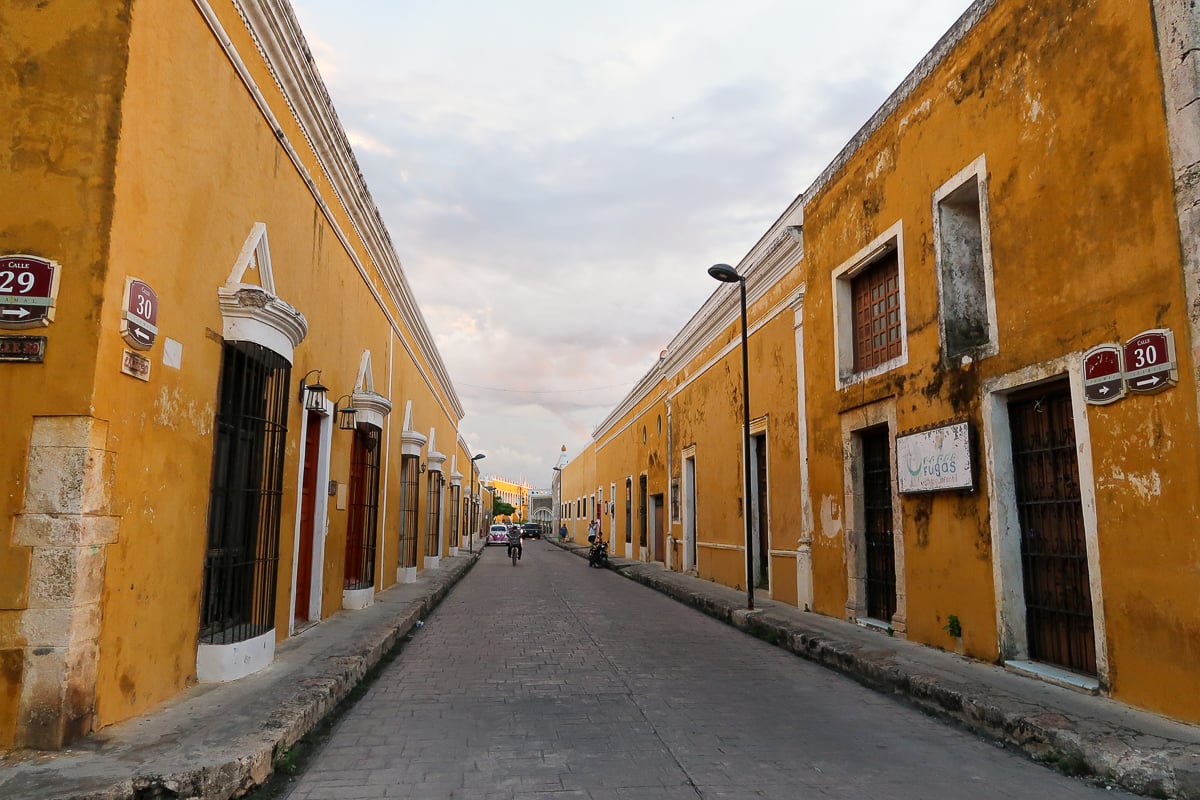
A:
[598, 554]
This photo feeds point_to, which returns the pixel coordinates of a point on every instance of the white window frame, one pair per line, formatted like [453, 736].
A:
[843, 307]
[977, 169]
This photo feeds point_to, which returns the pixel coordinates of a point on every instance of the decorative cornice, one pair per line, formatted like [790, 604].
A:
[283, 48]
[372, 408]
[252, 314]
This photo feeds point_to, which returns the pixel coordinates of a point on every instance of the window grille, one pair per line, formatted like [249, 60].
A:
[363, 508]
[628, 511]
[675, 501]
[433, 524]
[409, 498]
[454, 515]
[238, 594]
[876, 293]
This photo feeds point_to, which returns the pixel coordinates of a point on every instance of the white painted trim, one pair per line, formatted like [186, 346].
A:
[688, 510]
[843, 307]
[804, 565]
[358, 599]
[432, 562]
[406, 574]
[977, 169]
[320, 516]
[759, 428]
[281, 45]
[221, 663]
[854, 422]
[1007, 574]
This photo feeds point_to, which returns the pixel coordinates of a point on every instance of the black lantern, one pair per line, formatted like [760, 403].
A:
[312, 394]
[346, 415]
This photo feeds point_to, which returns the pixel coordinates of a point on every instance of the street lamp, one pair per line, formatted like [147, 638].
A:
[727, 274]
[474, 503]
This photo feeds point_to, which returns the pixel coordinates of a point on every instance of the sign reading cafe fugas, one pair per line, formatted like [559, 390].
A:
[935, 460]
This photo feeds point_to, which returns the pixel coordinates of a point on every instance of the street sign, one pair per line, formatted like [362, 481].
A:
[30, 349]
[1103, 378]
[139, 318]
[1150, 361]
[28, 289]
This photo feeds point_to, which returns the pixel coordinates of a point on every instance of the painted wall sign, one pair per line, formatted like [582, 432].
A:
[135, 365]
[28, 290]
[139, 318]
[1150, 361]
[935, 460]
[30, 349]
[1103, 374]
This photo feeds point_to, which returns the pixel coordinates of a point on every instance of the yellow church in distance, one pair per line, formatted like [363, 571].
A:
[513, 493]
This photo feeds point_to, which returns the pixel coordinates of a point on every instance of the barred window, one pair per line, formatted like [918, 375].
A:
[455, 490]
[409, 511]
[363, 508]
[238, 594]
[434, 524]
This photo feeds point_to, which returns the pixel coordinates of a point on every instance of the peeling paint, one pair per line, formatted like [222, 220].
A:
[831, 517]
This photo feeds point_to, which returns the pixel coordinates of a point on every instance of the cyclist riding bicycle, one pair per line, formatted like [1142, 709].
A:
[514, 540]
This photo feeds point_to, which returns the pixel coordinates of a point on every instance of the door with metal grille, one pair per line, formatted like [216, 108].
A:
[364, 510]
[762, 541]
[1054, 565]
[877, 512]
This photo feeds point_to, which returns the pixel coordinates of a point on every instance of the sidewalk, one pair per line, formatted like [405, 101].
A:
[215, 741]
[1077, 733]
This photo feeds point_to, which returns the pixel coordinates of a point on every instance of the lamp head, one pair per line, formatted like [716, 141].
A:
[478, 456]
[724, 273]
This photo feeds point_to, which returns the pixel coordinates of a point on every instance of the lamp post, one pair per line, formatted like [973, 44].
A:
[727, 274]
[474, 503]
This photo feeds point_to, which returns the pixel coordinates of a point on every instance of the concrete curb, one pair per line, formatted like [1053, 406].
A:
[248, 761]
[1160, 758]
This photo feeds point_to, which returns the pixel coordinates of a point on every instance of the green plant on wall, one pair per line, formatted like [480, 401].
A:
[953, 626]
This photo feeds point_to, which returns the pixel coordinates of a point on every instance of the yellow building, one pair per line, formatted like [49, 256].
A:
[972, 347]
[515, 493]
[205, 451]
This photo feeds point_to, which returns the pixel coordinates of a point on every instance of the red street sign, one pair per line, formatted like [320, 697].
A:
[1103, 381]
[1150, 361]
[28, 288]
[139, 321]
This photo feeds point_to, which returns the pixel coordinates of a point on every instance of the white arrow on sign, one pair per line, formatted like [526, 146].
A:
[1151, 381]
[141, 334]
[1103, 390]
[15, 312]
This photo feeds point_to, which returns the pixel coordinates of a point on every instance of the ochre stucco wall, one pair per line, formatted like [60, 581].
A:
[1064, 101]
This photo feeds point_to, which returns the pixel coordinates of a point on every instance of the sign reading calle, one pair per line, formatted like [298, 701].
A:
[935, 460]
[28, 289]
[139, 319]
[1150, 361]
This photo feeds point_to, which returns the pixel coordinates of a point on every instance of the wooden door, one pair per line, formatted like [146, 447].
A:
[660, 544]
[877, 508]
[308, 513]
[1054, 564]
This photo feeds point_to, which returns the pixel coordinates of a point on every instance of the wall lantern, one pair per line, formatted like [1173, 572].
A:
[345, 415]
[312, 394]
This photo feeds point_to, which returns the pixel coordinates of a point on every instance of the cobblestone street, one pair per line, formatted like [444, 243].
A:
[552, 680]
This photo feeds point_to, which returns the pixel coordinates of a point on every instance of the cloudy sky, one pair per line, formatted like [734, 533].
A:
[557, 175]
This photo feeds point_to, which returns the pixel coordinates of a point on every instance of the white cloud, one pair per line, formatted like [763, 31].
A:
[558, 176]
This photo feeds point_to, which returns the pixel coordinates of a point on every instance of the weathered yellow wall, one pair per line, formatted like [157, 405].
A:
[578, 480]
[159, 172]
[1064, 100]
[64, 66]
[628, 447]
[707, 414]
